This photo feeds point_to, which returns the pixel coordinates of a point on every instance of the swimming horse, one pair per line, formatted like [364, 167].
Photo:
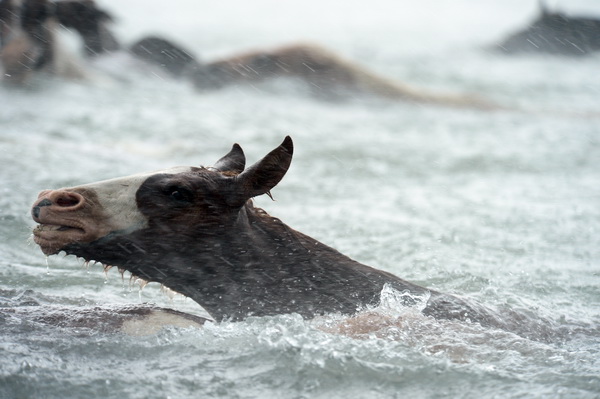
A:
[196, 231]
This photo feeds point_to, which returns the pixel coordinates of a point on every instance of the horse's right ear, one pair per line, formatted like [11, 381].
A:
[261, 177]
[234, 162]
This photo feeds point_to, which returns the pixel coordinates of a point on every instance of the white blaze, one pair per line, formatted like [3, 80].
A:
[117, 198]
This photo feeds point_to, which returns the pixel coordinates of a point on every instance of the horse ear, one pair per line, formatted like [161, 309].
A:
[233, 162]
[261, 177]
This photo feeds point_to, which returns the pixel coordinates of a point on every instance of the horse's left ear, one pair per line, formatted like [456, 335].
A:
[261, 177]
[233, 162]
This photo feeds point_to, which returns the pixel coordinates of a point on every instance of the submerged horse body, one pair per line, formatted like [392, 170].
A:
[136, 320]
[196, 231]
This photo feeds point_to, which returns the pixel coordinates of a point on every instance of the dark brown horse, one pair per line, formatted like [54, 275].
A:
[196, 231]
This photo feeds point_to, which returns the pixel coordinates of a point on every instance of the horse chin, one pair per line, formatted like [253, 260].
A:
[52, 238]
[84, 252]
[88, 253]
[105, 253]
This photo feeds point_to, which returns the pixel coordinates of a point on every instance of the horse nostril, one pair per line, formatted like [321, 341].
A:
[67, 201]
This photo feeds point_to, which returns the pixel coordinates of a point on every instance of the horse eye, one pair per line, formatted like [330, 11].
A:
[177, 195]
[180, 194]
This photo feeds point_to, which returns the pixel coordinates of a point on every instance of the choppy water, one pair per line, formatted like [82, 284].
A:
[499, 207]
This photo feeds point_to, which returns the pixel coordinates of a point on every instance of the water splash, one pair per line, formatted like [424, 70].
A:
[394, 302]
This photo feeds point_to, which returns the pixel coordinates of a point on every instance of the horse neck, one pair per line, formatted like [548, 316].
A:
[259, 265]
[264, 234]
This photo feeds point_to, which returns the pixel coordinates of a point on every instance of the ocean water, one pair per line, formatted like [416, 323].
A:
[500, 207]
